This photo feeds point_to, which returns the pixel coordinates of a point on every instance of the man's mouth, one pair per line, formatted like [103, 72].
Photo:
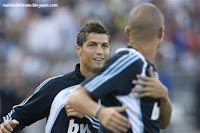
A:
[98, 59]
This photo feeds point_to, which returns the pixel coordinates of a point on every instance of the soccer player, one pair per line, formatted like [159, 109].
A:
[49, 97]
[113, 83]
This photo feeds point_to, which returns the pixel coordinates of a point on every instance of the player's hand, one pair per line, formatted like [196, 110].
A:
[153, 87]
[72, 112]
[111, 119]
[8, 126]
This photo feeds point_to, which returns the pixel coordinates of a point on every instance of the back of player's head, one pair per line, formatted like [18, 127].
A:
[90, 27]
[145, 21]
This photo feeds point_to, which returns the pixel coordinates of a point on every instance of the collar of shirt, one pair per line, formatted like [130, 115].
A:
[77, 73]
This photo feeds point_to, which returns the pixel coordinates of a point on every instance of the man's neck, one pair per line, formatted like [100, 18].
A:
[85, 72]
[147, 50]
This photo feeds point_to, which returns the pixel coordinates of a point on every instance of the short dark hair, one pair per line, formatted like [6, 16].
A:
[90, 27]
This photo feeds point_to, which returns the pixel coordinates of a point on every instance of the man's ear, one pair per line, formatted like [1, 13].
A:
[161, 32]
[78, 49]
[127, 31]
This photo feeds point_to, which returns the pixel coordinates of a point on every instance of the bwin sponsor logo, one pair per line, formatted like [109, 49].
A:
[75, 128]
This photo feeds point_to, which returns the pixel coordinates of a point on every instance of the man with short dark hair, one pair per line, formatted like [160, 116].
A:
[49, 97]
[113, 83]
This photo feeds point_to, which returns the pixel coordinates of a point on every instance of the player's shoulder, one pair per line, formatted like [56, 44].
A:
[59, 80]
[52, 82]
[130, 52]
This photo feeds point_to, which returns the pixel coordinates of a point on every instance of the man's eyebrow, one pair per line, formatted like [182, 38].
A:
[92, 42]
[97, 42]
[105, 43]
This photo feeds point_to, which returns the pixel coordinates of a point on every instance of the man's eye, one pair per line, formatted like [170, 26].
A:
[105, 46]
[91, 45]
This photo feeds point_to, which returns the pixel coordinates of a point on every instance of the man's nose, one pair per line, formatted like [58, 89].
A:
[99, 50]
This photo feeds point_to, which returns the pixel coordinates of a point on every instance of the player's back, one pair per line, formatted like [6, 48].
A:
[113, 85]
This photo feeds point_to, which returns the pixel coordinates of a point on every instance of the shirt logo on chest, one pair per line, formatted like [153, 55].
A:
[75, 128]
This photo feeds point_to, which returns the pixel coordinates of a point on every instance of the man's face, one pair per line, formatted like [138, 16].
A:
[94, 52]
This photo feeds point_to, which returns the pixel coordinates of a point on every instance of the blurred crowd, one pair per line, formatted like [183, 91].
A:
[37, 43]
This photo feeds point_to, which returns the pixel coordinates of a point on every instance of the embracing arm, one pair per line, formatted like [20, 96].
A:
[154, 88]
[81, 101]
[165, 111]
[110, 117]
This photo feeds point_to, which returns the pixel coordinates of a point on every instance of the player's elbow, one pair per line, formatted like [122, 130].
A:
[164, 122]
[164, 125]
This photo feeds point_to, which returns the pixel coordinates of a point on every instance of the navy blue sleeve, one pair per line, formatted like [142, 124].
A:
[116, 76]
[34, 108]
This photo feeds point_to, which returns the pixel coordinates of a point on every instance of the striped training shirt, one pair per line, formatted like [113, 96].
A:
[48, 102]
[113, 85]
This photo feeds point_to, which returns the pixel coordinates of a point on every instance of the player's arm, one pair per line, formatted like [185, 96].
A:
[154, 88]
[110, 117]
[72, 112]
[30, 110]
[107, 82]
[165, 111]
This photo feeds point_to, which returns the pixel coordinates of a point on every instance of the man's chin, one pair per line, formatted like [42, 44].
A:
[97, 67]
